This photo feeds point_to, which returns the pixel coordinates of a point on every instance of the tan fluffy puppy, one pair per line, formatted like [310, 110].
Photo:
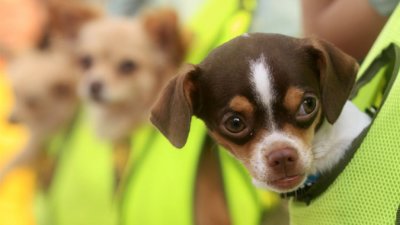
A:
[125, 62]
[44, 85]
[44, 81]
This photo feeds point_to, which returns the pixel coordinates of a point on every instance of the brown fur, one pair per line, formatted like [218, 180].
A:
[168, 36]
[242, 152]
[293, 99]
[67, 17]
[337, 76]
[241, 104]
[305, 135]
[210, 203]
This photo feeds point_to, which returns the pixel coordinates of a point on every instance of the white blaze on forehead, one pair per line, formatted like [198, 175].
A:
[261, 81]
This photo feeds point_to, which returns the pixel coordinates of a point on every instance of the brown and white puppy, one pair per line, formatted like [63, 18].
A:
[278, 104]
[125, 63]
[44, 85]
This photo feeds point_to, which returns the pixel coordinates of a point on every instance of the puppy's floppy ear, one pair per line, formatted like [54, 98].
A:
[337, 74]
[164, 29]
[173, 111]
[6, 53]
[67, 17]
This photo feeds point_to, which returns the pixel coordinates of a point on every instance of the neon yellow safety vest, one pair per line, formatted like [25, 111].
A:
[82, 189]
[367, 189]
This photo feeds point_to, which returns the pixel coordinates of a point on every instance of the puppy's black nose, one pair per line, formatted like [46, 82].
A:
[95, 88]
[283, 158]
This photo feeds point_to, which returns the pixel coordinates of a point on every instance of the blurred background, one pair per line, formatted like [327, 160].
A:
[27, 25]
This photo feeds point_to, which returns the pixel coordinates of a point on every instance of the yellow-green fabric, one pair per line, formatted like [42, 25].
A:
[389, 34]
[159, 188]
[82, 189]
[163, 180]
[217, 22]
[171, 197]
[368, 189]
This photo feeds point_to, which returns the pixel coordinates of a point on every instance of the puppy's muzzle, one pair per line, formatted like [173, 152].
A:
[282, 160]
[95, 90]
[285, 167]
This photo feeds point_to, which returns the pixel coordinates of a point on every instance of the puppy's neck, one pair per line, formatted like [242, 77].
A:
[116, 122]
[332, 140]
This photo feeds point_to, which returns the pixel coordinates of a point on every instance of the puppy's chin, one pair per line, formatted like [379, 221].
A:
[284, 185]
[97, 99]
[103, 99]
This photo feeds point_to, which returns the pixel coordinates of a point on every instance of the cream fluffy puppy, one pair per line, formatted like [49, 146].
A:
[125, 62]
[44, 85]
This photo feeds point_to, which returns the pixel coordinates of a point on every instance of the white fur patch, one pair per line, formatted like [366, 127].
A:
[331, 141]
[246, 35]
[261, 81]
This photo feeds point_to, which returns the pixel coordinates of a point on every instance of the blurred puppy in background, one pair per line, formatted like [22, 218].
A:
[44, 82]
[44, 85]
[125, 62]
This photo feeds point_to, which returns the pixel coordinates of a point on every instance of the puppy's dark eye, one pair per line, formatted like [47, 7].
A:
[235, 124]
[307, 107]
[86, 62]
[127, 66]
